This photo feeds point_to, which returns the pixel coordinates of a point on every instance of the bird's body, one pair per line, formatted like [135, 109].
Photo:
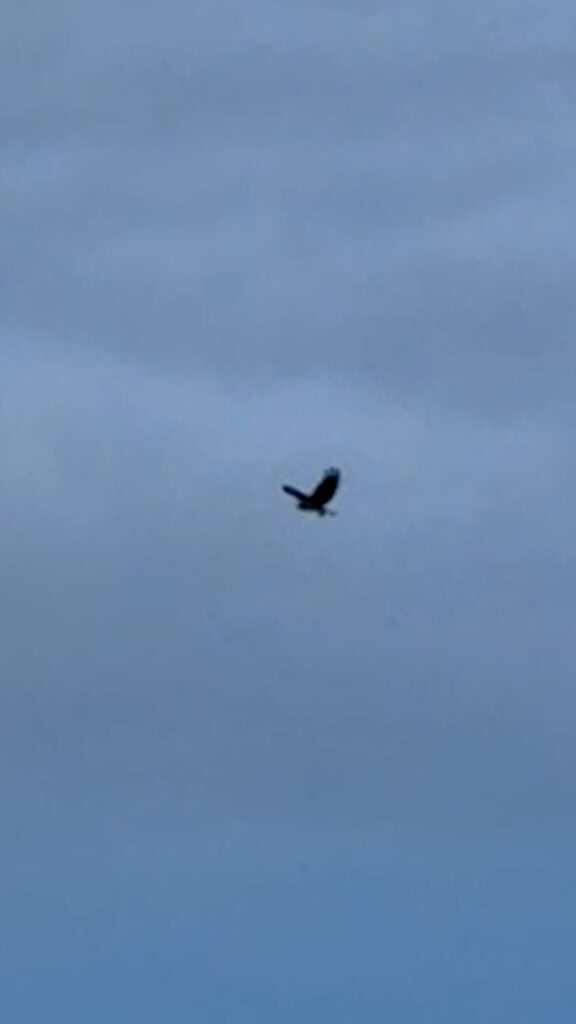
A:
[320, 496]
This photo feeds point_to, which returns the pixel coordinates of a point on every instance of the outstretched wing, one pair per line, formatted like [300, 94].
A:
[294, 492]
[327, 488]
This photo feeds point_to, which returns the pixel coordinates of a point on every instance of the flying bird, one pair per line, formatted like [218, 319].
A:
[320, 496]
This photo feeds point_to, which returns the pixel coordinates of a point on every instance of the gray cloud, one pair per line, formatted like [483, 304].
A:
[243, 242]
[270, 193]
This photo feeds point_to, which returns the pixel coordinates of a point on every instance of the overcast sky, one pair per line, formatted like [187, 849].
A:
[258, 767]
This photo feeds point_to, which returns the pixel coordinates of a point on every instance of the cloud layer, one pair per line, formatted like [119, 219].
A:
[242, 242]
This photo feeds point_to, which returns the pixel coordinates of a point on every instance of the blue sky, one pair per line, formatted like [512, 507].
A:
[257, 767]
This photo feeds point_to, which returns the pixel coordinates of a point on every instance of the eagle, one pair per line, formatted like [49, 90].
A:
[320, 496]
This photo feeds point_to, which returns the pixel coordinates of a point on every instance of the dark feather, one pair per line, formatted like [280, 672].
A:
[320, 496]
[326, 489]
[294, 493]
